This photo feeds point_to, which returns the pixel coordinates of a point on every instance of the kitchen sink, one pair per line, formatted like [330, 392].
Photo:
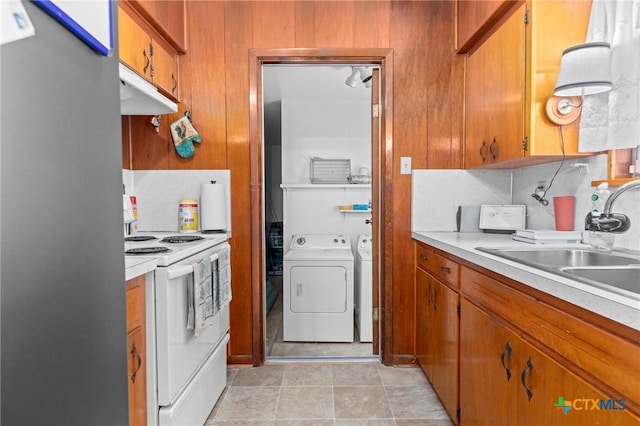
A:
[613, 271]
[563, 257]
[623, 278]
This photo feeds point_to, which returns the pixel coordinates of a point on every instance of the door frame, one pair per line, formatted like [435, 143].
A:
[382, 187]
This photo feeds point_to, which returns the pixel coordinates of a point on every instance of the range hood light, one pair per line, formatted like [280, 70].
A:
[139, 97]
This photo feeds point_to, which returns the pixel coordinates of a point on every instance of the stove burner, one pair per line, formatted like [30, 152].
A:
[182, 239]
[140, 238]
[147, 250]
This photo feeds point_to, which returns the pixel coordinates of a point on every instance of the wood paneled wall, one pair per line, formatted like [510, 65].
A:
[214, 79]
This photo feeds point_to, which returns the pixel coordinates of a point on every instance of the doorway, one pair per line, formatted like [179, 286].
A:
[381, 187]
[317, 139]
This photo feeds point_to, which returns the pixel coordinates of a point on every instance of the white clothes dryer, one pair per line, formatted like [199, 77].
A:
[318, 289]
[364, 288]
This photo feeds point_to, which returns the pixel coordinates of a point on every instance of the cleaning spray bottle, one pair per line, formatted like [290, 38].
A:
[600, 240]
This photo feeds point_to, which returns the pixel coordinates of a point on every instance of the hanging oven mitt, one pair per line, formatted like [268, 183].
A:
[184, 134]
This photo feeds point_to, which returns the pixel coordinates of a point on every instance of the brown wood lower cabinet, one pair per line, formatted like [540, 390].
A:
[437, 329]
[506, 355]
[506, 381]
[136, 351]
[525, 362]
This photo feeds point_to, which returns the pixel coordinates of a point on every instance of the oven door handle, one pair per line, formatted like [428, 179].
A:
[180, 271]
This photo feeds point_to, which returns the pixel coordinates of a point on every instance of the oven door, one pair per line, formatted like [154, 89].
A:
[179, 353]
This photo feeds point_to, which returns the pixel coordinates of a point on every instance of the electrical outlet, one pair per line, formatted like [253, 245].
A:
[542, 185]
[405, 165]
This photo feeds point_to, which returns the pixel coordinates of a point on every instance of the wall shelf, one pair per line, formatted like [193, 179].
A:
[354, 211]
[324, 186]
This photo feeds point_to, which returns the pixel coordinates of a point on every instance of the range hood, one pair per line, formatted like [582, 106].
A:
[139, 97]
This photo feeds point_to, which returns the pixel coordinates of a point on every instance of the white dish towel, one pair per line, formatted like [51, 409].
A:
[200, 297]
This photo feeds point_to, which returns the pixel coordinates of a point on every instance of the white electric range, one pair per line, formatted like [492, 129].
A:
[186, 370]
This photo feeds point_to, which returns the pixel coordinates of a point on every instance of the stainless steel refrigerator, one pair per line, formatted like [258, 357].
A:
[63, 325]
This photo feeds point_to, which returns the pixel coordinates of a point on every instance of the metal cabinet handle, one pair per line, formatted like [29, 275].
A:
[136, 357]
[482, 150]
[435, 298]
[423, 256]
[175, 84]
[493, 150]
[147, 61]
[445, 269]
[506, 354]
[523, 378]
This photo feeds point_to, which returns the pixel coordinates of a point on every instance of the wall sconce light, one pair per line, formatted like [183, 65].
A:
[585, 69]
[365, 76]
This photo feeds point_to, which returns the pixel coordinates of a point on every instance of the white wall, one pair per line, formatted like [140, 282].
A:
[325, 129]
[436, 195]
[332, 130]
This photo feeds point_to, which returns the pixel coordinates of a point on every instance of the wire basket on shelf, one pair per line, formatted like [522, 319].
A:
[330, 170]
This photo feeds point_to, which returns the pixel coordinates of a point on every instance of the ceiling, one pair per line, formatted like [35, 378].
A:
[310, 82]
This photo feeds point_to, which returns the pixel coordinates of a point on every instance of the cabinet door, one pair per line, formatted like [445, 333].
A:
[134, 45]
[137, 379]
[165, 70]
[445, 346]
[495, 96]
[424, 326]
[168, 17]
[505, 90]
[488, 376]
[476, 116]
[545, 387]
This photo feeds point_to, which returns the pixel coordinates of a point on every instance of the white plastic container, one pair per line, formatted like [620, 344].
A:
[188, 215]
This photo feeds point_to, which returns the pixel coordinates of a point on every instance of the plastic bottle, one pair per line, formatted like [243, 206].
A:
[600, 240]
[599, 198]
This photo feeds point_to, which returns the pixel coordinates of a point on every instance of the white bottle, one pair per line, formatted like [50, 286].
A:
[600, 240]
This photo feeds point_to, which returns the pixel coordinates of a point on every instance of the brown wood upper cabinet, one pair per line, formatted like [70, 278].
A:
[146, 53]
[475, 19]
[510, 76]
[168, 17]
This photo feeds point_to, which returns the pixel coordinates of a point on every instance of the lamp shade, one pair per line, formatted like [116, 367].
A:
[585, 69]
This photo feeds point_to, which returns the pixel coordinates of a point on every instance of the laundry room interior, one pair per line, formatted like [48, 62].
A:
[318, 211]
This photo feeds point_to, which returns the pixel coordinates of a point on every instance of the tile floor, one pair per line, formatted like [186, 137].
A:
[341, 394]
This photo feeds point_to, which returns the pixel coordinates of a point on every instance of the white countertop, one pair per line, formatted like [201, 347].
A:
[136, 266]
[607, 304]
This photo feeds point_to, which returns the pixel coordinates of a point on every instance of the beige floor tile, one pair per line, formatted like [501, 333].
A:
[424, 422]
[266, 375]
[414, 402]
[299, 422]
[307, 375]
[248, 403]
[305, 403]
[239, 423]
[364, 422]
[361, 402]
[402, 376]
[356, 375]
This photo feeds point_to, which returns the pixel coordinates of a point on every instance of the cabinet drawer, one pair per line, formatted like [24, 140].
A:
[425, 258]
[135, 302]
[447, 271]
[614, 363]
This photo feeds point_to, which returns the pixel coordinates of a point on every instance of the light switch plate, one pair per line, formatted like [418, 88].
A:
[405, 165]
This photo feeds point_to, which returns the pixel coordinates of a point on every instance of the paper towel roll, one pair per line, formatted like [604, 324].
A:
[213, 207]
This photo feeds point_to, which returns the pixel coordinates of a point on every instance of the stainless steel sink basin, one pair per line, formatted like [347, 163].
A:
[623, 278]
[612, 271]
[563, 257]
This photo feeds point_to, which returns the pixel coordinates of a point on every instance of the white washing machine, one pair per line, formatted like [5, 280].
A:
[364, 288]
[318, 289]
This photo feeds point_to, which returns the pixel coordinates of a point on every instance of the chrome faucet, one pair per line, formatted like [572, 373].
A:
[607, 221]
